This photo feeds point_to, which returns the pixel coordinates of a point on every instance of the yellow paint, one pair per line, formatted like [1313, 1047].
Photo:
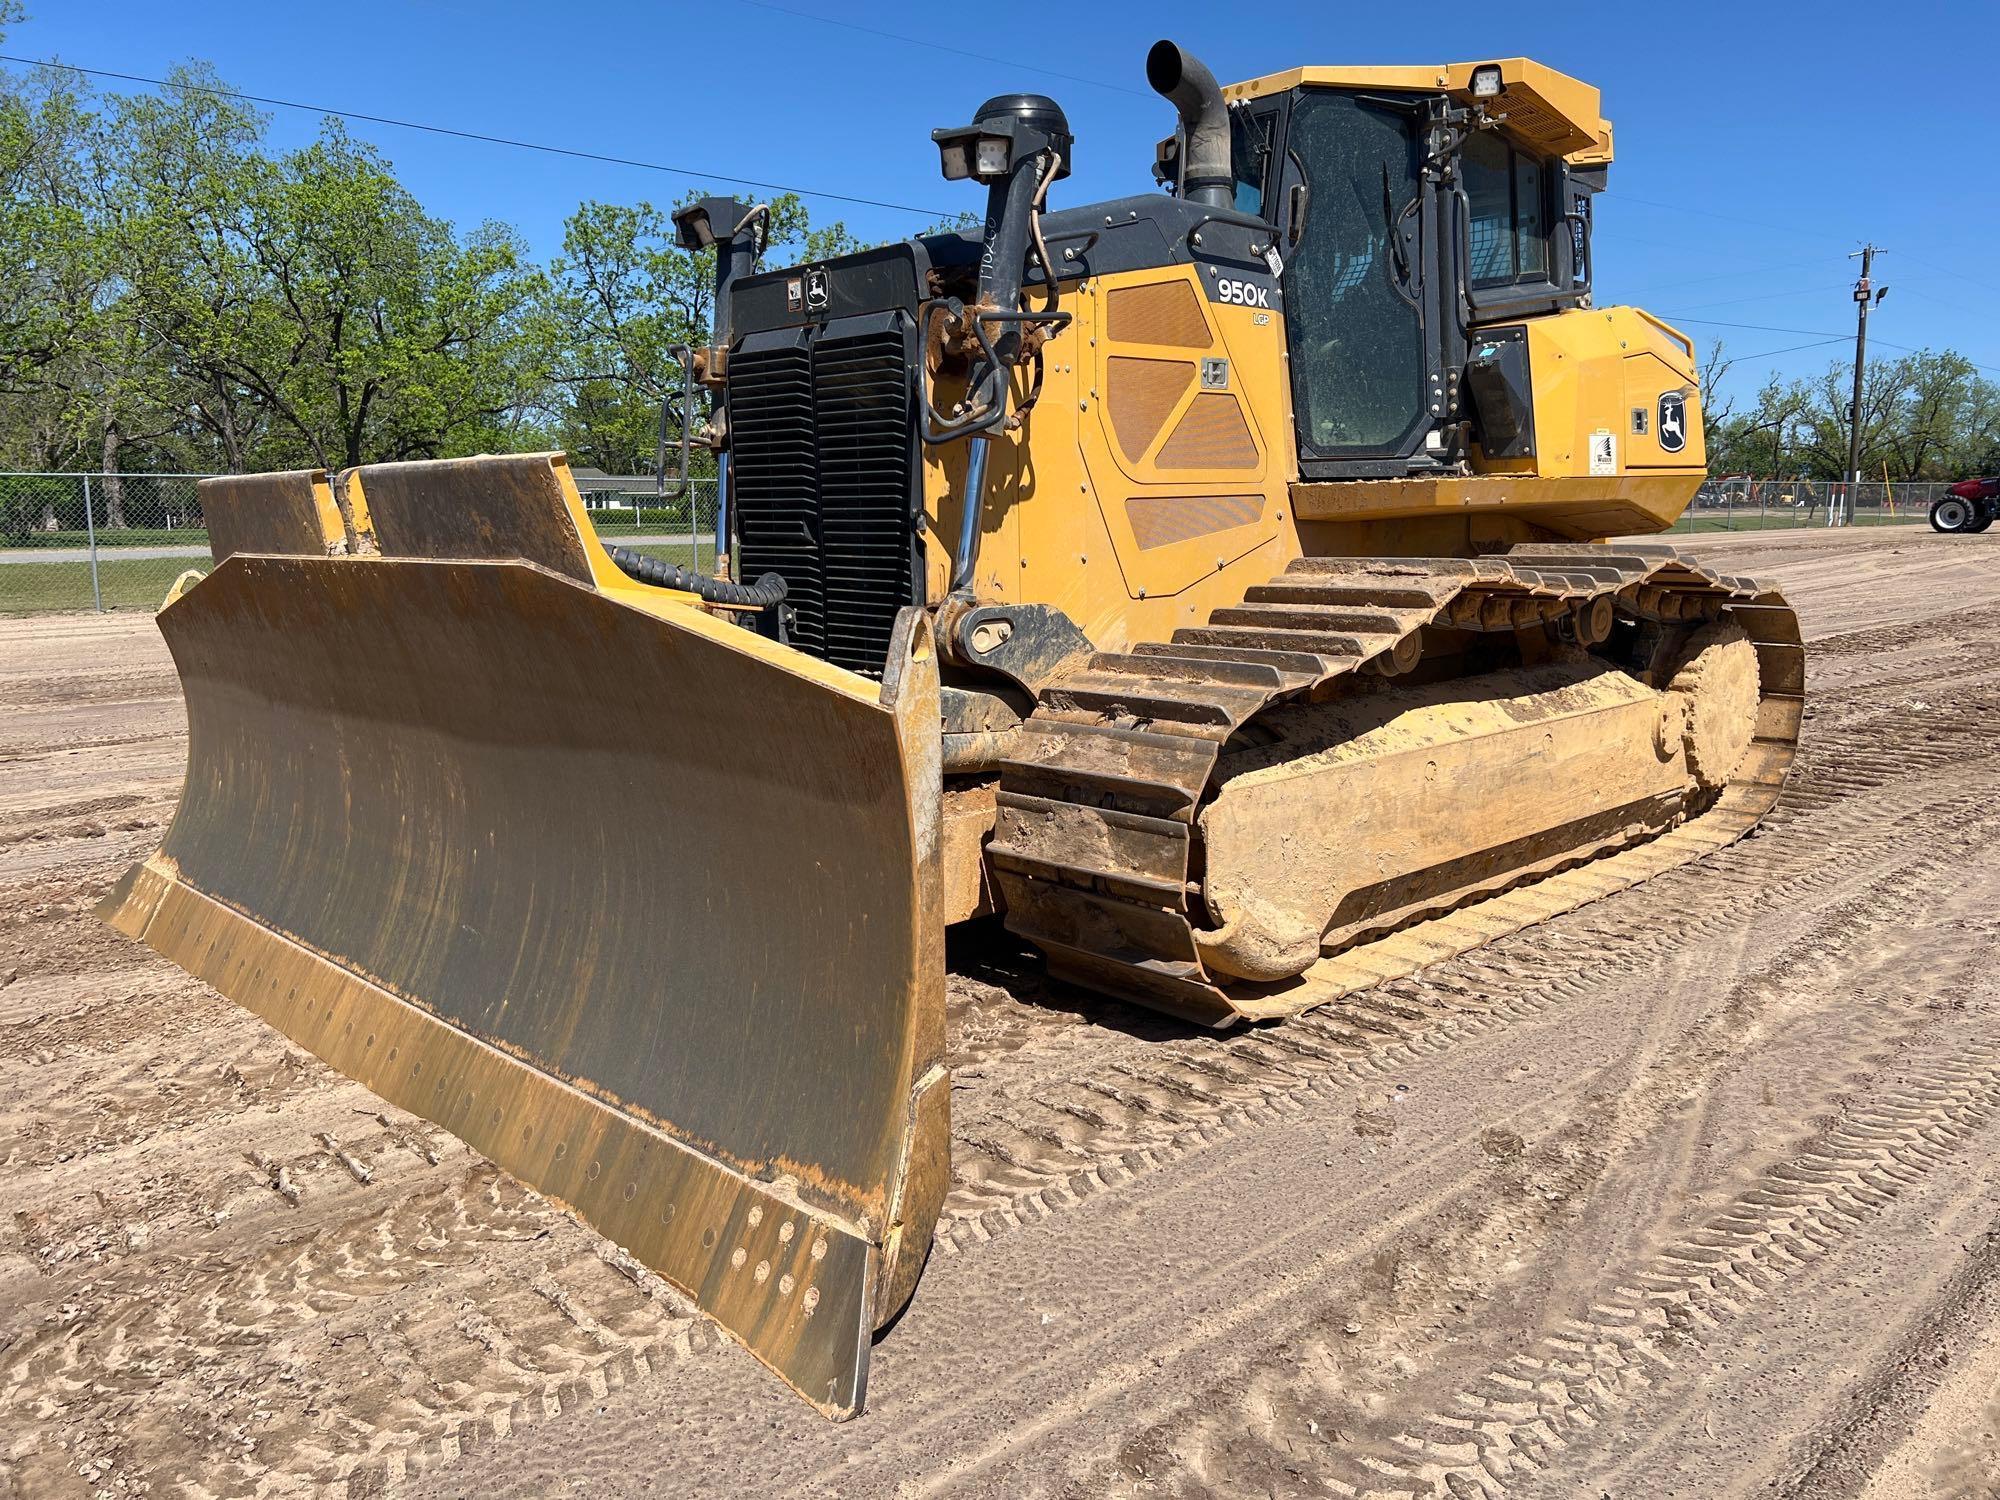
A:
[331, 527]
[1570, 507]
[188, 579]
[357, 511]
[684, 609]
[1057, 527]
[687, 611]
[1591, 368]
[1057, 530]
[1575, 127]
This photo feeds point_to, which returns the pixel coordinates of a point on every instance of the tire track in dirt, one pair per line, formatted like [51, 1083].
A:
[1970, 1468]
[1133, 1347]
[1046, 1142]
[1921, 1378]
[1761, 859]
[167, 1318]
[436, 1330]
[1520, 1417]
[279, 1343]
[1445, 1254]
[1645, 1319]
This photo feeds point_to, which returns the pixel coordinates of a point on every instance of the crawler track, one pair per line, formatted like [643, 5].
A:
[1095, 842]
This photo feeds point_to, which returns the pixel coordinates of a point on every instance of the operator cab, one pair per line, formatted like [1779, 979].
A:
[1412, 205]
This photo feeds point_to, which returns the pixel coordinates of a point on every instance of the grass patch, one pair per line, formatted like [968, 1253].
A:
[134, 583]
[142, 582]
[684, 553]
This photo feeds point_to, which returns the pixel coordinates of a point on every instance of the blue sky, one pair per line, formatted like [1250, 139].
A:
[1757, 143]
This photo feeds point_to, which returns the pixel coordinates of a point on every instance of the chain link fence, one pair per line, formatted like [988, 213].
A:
[1740, 502]
[627, 512]
[96, 541]
[118, 541]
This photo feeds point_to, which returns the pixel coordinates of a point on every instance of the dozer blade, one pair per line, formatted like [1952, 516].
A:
[637, 903]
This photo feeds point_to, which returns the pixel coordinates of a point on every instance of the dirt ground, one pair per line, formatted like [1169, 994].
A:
[1692, 1192]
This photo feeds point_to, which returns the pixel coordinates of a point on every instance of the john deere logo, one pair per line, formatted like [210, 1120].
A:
[816, 290]
[1673, 433]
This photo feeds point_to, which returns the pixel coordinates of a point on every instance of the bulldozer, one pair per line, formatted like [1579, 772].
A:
[1210, 585]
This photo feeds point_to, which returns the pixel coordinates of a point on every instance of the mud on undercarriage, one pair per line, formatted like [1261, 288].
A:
[1616, 684]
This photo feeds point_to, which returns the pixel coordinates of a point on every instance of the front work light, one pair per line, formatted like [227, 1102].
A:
[1486, 81]
[968, 153]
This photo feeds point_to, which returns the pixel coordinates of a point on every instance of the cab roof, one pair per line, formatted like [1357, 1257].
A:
[1546, 110]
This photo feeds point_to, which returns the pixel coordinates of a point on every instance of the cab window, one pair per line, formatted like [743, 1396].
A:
[1507, 191]
[1355, 327]
[1250, 158]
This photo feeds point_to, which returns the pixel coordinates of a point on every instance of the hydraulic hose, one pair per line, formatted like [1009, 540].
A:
[766, 593]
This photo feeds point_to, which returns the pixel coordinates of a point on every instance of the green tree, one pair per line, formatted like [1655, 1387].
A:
[168, 290]
[173, 295]
[177, 170]
[47, 254]
[372, 331]
[1926, 415]
[1761, 440]
[623, 296]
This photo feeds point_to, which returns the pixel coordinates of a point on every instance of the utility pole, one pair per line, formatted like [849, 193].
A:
[1864, 297]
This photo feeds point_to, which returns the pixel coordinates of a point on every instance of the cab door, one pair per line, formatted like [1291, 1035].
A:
[1354, 283]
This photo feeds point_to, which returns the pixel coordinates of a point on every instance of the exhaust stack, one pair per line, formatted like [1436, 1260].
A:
[1185, 79]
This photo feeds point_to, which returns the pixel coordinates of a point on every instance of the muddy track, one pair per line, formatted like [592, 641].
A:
[1505, 1227]
[1056, 1114]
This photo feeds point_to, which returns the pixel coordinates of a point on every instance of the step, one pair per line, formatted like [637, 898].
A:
[1224, 670]
[1314, 617]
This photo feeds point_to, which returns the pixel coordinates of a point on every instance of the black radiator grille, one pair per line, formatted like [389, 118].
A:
[822, 441]
[776, 456]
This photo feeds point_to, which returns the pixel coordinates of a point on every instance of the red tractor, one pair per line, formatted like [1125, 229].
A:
[1969, 505]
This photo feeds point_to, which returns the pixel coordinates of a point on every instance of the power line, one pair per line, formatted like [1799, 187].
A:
[1816, 333]
[1662, 286]
[1985, 286]
[474, 135]
[1680, 208]
[695, 175]
[1706, 213]
[1755, 327]
[1809, 291]
[916, 41]
[1792, 348]
[1905, 289]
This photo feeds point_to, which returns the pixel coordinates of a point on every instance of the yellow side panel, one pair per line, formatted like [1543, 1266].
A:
[1650, 431]
[1599, 467]
[1592, 368]
[1150, 482]
[1491, 508]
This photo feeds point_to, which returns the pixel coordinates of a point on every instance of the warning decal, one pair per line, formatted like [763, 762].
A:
[1603, 451]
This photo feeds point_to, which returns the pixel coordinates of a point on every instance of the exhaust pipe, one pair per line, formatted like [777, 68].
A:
[1185, 79]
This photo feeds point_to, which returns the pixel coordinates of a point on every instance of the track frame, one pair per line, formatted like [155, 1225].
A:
[1093, 846]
